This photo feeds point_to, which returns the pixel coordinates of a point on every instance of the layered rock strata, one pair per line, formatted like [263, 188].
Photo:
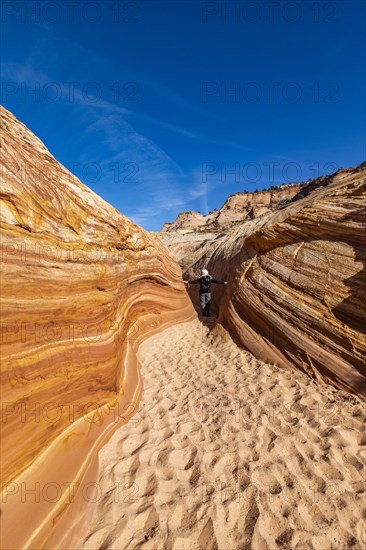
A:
[237, 208]
[296, 293]
[81, 287]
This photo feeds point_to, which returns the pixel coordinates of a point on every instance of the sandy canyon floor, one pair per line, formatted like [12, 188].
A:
[227, 452]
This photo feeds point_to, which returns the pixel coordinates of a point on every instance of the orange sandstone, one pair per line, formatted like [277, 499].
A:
[297, 289]
[82, 287]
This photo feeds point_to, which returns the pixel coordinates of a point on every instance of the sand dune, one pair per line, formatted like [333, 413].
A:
[227, 452]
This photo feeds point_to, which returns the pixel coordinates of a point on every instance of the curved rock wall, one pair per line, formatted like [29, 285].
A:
[297, 283]
[81, 286]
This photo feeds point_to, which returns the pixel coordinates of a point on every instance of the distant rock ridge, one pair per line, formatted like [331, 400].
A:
[244, 206]
[238, 207]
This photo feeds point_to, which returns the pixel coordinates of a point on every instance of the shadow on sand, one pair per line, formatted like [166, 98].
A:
[209, 322]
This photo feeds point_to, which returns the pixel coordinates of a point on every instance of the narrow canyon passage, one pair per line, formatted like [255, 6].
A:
[227, 452]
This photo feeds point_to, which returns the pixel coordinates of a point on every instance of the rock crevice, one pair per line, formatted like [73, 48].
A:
[297, 281]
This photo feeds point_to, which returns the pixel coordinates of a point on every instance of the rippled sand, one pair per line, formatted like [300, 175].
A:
[227, 452]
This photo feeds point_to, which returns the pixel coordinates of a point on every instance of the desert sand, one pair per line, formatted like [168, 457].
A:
[228, 452]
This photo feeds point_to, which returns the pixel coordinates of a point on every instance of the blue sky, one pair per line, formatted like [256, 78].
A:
[165, 106]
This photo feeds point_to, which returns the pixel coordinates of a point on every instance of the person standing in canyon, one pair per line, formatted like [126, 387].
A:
[205, 282]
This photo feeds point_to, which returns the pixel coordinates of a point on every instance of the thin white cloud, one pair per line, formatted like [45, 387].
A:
[165, 185]
[22, 74]
[25, 74]
[201, 191]
[172, 97]
[188, 133]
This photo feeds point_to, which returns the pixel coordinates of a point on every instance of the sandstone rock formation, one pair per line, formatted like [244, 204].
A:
[81, 286]
[297, 280]
[186, 220]
[237, 208]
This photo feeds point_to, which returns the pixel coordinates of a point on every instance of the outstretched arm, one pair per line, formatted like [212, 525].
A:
[218, 282]
[194, 282]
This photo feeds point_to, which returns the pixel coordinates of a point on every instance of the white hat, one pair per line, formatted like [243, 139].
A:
[204, 272]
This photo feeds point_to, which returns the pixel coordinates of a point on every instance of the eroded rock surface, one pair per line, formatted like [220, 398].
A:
[297, 280]
[81, 286]
[237, 208]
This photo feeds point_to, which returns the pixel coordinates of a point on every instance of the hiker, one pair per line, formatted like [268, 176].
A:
[205, 282]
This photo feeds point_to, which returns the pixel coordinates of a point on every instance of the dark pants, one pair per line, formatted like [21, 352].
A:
[205, 298]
